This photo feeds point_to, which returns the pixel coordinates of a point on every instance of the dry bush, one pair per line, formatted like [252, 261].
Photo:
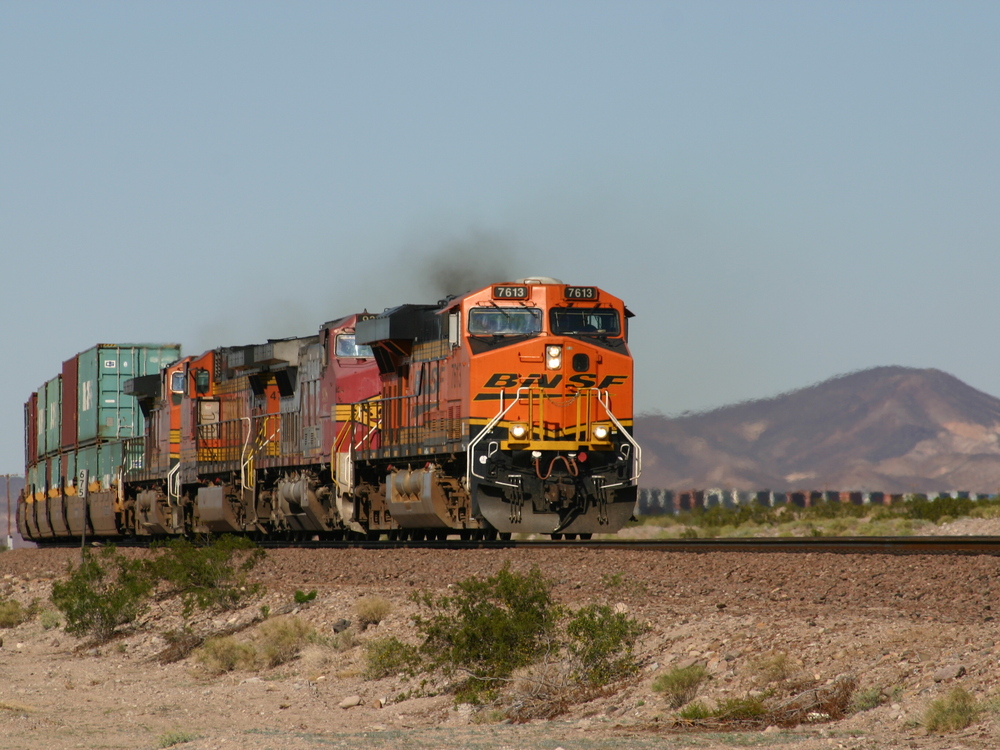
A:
[543, 691]
[372, 610]
[954, 712]
[49, 618]
[180, 643]
[226, 654]
[277, 641]
[774, 667]
[821, 703]
[817, 704]
[680, 686]
[345, 640]
[13, 614]
[281, 639]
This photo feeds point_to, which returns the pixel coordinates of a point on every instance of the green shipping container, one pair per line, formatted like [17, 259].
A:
[55, 475]
[86, 458]
[108, 462]
[53, 414]
[104, 411]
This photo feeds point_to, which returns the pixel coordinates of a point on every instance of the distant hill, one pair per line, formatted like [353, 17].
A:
[893, 429]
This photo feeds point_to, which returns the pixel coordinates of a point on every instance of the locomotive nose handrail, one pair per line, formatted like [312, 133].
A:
[469, 463]
[602, 397]
[606, 403]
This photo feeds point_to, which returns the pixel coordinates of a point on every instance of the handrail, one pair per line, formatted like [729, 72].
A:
[174, 485]
[469, 470]
[606, 403]
[244, 459]
[603, 398]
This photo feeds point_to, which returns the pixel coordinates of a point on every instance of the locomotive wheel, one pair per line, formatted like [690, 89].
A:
[586, 537]
[556, 537]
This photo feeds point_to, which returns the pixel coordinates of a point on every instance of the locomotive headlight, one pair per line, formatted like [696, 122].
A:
[601, 431]
[518, 431]
[553, 357]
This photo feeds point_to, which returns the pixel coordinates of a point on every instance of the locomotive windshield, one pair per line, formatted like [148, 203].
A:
[348, 347]
[503, 321]
[597, 321]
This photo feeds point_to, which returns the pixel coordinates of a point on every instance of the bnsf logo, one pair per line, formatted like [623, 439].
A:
[508, 380]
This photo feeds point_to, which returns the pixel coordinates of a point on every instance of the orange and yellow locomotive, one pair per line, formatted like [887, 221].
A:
[509, 408]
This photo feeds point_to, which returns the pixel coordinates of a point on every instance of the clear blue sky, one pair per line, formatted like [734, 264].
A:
[781, 191]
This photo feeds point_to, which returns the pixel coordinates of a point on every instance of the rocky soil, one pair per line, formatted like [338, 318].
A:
[899, 624]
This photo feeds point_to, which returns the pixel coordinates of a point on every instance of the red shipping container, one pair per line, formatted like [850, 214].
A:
[70, 371]
[31, 431]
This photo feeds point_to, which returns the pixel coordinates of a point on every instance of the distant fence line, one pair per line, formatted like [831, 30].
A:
[658, 502]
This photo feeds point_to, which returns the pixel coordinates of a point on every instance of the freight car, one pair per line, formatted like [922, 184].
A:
[507, 409]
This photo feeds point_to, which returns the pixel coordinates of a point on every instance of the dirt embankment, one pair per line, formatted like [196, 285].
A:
[894, 622]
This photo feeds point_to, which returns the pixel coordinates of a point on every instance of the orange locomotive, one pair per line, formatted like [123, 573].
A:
[508, 409]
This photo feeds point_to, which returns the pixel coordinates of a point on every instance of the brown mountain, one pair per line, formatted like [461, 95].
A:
[893, 429]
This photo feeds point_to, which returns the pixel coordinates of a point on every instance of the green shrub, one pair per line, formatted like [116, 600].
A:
[105, 592]
[49, 619]
[226, 654]
[680, 685]
[934, 510]
[866, 700]
[372, 610]
[176, 738]
[280, 640]
[213, 576]
[739, 709]
[695, 711]
[388, 656]
[301, 597]
[489, 628]
[954, 712]
[601, 641]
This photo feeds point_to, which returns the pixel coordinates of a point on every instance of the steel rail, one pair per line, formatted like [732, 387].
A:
[882, 545]
[942, 545]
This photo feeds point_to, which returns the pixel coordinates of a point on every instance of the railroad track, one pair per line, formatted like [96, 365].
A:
[946, 545]
[879, 545]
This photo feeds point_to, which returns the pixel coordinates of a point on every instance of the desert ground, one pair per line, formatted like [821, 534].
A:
[910, 628]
